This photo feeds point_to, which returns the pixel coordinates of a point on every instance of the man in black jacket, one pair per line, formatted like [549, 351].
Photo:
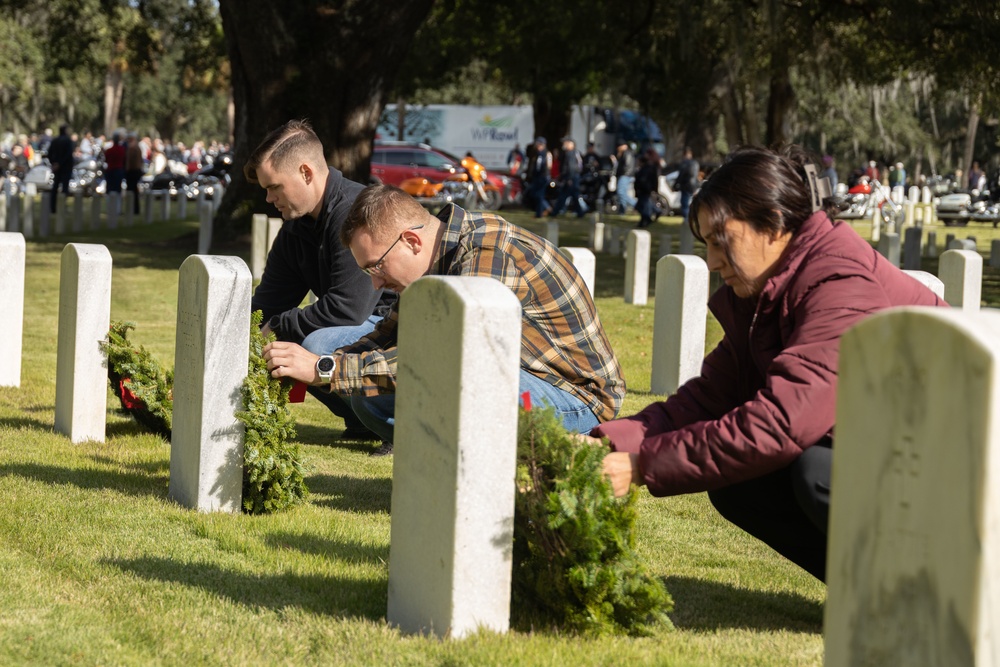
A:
[60, 156]
[313, 199]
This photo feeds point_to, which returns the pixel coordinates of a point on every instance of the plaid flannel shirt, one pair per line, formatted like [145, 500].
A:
[562, 340]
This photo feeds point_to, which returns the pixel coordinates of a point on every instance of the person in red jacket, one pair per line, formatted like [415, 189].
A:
[755, 429]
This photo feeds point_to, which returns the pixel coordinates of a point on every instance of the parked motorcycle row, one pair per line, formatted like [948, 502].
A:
[88, 177]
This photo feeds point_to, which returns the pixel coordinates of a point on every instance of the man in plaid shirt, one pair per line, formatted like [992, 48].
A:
[566, 359]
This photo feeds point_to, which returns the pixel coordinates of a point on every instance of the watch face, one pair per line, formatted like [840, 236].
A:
[325, 364]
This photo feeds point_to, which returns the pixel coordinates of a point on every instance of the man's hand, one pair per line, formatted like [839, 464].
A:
[623, 470]
[288, 360]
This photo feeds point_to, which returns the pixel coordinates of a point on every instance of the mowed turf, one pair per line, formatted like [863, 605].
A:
[99, 567]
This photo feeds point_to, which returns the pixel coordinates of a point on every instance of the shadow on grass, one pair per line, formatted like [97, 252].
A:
[320, 546]
[709, 605]
[26, 422]
[351, 494]
[135, 484]
[326, 436]
[332, 596]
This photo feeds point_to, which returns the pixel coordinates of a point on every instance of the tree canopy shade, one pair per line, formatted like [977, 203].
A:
[332, 63]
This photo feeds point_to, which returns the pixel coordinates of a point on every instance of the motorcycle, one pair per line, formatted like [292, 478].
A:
[861, 201]
[469, 187]
[87, 177]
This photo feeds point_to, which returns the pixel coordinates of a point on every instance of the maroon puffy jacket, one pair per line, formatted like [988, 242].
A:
[768, 390]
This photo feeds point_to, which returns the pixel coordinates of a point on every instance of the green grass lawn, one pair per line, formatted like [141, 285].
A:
[99, 567]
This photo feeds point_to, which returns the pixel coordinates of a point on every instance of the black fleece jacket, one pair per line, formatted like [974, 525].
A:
[307, 255]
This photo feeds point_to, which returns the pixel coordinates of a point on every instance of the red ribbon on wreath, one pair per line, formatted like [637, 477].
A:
[129, 399]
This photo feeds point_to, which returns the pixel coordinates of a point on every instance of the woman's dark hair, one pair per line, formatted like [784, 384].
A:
[765, 188]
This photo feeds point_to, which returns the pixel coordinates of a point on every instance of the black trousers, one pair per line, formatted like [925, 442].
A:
[788, 509]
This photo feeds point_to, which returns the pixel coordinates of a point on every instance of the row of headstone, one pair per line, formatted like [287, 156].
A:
[31, 215]
[914, 529]
[210, 362]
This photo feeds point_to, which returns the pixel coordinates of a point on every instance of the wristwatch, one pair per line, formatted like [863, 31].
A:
[325, 366]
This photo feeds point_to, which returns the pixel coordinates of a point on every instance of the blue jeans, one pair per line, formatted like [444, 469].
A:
[624, 195]
[326, 341]
[377, 413]
[570, 191]
[685, 204]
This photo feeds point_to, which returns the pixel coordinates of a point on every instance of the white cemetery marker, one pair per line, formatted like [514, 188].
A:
[14, 213]
[932, 244]
[961, 271]
[995, 253]
[12, 306]
[666, 245]
[78, 212]
[45, 214]
[910, 210]
[130, 197]
[637, 267]
[928, 280]
[212, 348]
[888, 246]
[679, 321]
[597, 237]
[455, 452]
[147, 209]
[961, 244]
[616, 241]
[258, 245]
[948, 238]
[273, 227]
[876, 226]
[182, 206]
[686, 246]
[914, 535]
[914, 194]
[95, 212]
[205, 227]
[62, 203]
[926, 196]
[552, 232]
[911, 248]
[585, 263]
[4, 205]
[84, 318]
[216, 199]
[166, 205]
[114, 207]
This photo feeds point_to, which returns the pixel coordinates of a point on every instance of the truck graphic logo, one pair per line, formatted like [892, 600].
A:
[497, 130]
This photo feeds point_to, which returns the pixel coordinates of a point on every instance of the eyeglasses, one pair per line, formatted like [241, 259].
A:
[376, 268]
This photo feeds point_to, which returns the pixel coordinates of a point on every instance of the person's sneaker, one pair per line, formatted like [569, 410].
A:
[358, 433]
[385, 449]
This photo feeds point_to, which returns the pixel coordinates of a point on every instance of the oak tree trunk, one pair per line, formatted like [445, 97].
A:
[332, 63]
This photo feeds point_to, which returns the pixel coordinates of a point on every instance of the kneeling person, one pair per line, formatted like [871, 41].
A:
[566, 359]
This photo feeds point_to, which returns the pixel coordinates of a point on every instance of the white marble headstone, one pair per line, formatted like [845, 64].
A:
[28, 212]
[615, 247]
[205, 227]
[585, 262]
[455, 455]
[995, 253]
[961, 271]
[639, 244]
[597, 237]
[4, 206]
[914, 534]
[686, 245]
[911, 248]
[258, 245]
[888, 246]
[210, 362]
[95, 211]
[932, 244]
[12, 306]
[552, 232]
[679, 321]
[78, 212]
[273, 227]
[84, 318]
[928, 280]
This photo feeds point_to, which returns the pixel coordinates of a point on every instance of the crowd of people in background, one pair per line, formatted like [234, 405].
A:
[20, 152]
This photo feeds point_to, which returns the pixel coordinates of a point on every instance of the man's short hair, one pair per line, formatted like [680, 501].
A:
[381, 209]
[293, 141]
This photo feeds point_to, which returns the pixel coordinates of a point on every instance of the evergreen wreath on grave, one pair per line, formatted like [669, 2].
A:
[575, 565]
[272, 465]
[143, 387]
[273, 472]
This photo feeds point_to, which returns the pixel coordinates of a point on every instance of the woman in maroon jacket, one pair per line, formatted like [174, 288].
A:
[754, 430]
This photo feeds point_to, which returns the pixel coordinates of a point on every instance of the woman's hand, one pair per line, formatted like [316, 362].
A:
[622, 468]
[288, 360]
